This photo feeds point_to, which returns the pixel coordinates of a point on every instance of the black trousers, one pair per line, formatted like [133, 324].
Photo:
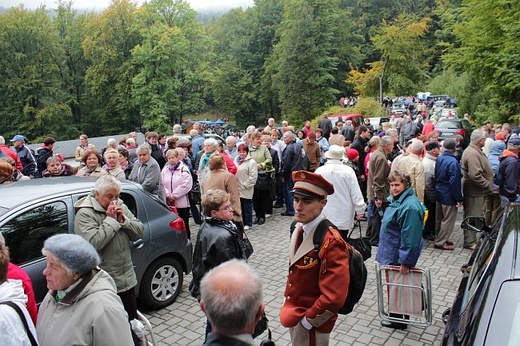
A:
[374, 223]
[129, 303]
[184, 214]
[262, 203]
[429, 227]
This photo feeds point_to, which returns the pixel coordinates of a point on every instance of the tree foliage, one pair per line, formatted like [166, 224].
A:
[147, 66]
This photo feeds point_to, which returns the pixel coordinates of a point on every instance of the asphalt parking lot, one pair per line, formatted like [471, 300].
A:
[182, 323]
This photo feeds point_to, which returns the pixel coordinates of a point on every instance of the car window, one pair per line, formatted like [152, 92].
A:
[448, 125]
[130, 202]
[504, 328]
[25, 233]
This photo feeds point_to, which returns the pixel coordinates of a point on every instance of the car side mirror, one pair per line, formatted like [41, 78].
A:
[474, 223]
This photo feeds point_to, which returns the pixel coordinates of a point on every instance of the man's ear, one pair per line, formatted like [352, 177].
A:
[202, 306]
[260, 312]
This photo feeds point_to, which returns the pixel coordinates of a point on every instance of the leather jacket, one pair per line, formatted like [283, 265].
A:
[217, 242]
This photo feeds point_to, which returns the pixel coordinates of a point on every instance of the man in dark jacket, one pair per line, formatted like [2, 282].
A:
[152, 138]
[448, 190]
[326, 125]
[26, 156]
[43, 153]
[291, 161]
[508, 170]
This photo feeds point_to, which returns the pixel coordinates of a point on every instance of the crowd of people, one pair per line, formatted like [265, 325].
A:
[405, 183]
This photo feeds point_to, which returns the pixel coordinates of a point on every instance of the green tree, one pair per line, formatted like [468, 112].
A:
[489, 52]
[32, 101]
[110, 38]
[303, 63]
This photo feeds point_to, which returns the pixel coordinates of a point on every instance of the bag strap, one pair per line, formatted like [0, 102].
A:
[320, 232]
[358, 225]
[24, 321]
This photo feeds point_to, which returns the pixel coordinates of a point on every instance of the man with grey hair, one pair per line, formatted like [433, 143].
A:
[231, 147]
[412, 165]
[232, 324]
[106, 222]
[291, 161]
[477, 182]
[146, 171]
[177, 130]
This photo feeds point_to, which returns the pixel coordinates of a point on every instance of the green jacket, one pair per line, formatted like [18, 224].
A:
[111, 240]
[263, 157]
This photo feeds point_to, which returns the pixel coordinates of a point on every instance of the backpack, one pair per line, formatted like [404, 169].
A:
[357, 269]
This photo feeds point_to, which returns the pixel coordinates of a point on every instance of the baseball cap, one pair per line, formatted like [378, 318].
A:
[18, 138]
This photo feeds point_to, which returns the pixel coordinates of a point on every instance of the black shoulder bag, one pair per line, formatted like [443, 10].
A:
[24, 321]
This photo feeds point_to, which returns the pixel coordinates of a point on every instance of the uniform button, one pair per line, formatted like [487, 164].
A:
[288, 297]
[290, 285]
[290, 271]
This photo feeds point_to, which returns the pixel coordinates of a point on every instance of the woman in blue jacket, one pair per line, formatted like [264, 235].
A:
[400, 238]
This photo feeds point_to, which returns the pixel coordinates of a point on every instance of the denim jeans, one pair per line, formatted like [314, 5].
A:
[289, 198]
[247, 211]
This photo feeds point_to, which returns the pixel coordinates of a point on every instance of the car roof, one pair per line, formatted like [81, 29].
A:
[34, 189]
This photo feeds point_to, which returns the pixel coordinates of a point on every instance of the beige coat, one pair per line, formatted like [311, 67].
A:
[247, 173]
[223, 180]
[477, 174]
[412, 165]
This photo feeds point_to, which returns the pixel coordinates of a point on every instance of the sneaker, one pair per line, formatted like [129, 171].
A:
[247, 228]
[267, 215]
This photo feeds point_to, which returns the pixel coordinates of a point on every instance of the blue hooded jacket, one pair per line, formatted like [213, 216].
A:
[494, 155]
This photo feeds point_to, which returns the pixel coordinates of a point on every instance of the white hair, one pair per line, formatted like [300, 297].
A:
[231, 139]
[210, 141]
[143, 148]
[2, 140]
[232, 306]
[177, 129]
[107, 182]
[250, 128]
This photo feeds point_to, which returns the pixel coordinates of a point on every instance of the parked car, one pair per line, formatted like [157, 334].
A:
[356, 118]
[399, 108]
[447, 113]
[33, 210]
[438, 106]
[207, 135]
[486, 310]
[449, 127]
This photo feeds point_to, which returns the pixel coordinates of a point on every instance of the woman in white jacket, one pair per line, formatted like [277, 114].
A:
[247, 174]
[177, 181]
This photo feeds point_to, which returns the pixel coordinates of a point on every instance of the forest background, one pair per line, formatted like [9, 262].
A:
[64, 72]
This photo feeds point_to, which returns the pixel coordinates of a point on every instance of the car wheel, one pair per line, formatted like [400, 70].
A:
[161, 283]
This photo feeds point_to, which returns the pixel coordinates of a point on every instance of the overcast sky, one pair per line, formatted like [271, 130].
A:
[101, 4]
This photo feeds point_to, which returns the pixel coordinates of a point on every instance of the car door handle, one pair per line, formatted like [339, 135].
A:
[139, 243]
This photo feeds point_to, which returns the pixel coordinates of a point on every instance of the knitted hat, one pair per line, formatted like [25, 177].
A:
[73, 251]
[352, 154]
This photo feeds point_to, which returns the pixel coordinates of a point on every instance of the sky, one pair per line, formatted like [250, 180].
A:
[101, 4]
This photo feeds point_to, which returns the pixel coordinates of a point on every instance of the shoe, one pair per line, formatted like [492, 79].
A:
[374, 243]
[267, 215]
[445, 246]
[430, 237]
[286, 214]
[247, 228]
[470, 247]
[261, 220]
[393, 325]
[277, 206]
[449, 242]
[256, 221]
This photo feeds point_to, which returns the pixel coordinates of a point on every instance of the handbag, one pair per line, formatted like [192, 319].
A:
[263, 182]
[261, 326]
[247, 247]
[361, 244]
[194, 194]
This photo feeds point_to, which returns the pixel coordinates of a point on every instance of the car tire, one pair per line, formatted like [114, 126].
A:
[161, 283]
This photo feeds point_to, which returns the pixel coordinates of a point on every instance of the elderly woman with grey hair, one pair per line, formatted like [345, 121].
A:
[81, 307]
[209, 147]
[147, 172]
[105, 221]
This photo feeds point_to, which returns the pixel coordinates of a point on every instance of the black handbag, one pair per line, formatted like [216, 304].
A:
[261, 326]
[361, 244]
[247, 247]
[194, 195]
[263, 182]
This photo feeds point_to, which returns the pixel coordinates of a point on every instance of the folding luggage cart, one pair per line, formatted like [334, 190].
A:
[407, 296]
[147, 329]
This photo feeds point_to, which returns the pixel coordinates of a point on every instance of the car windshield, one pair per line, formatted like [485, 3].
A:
[448, 125]
[504, 328]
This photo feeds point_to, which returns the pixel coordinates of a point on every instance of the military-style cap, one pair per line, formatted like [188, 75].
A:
[311, 185]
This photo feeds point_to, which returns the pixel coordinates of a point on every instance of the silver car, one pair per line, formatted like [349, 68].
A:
[33, 210]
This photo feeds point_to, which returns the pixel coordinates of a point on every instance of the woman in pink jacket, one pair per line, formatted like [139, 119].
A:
[177, 182]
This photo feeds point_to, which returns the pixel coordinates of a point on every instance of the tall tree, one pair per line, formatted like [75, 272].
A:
[110, 38]
[31, 99]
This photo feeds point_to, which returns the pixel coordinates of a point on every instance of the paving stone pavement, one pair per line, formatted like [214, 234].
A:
[182, 323]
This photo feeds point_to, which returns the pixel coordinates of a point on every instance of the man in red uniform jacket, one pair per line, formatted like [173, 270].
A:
[317, 282]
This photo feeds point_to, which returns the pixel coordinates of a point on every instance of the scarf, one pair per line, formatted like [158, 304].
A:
[172, 168]
[205, 161]
[220, 222]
